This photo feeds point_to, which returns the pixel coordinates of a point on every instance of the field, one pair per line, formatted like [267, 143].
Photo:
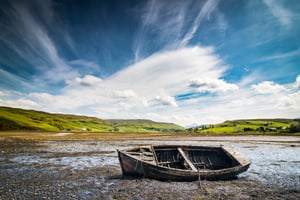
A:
[251, 126]
[66, 165]
[20, 119]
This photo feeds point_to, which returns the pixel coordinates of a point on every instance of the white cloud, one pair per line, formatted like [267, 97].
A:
[278, 98]
[125, 94]
[268, 87]
[212, 85]
[169, 71]
[162, 100]
[290, 101]
[43, 97]
[297, 83]
[251, 78]
[141, 88]
[148, 89]
[2, 94]
[19, 103]
[87, 80]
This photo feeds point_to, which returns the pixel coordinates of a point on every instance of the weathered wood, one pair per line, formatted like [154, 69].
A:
[141, 153]
[154, 155]
[236, 155]
[187, 160]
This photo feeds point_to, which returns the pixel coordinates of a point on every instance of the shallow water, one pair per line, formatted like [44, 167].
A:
[274, 165]
[275, 161]
[75, 162]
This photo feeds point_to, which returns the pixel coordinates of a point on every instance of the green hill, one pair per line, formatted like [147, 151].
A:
[251, 126]
[20, 119]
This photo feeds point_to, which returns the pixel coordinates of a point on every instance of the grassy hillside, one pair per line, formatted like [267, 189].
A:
[142, 125]
[20, 119]
[252, 126]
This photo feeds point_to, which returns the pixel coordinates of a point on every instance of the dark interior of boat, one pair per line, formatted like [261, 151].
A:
[206, 158]
[171, 158]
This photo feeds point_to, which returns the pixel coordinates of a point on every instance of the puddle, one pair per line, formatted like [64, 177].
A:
[2, 158]
[75, 162]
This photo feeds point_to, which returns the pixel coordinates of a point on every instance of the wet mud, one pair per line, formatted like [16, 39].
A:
[89, 169]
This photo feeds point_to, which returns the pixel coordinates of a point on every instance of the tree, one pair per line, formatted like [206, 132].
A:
[261, 129]
[294, 128]
[246, 129]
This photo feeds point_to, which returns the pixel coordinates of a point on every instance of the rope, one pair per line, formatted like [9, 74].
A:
[199, 179]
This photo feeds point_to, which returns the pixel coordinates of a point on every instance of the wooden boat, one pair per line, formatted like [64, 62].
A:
[182, 163]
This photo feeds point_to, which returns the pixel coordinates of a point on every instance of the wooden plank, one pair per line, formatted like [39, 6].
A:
[141, 153]
[236, 155]
[154, 155]
[187, 159]
[166, 149]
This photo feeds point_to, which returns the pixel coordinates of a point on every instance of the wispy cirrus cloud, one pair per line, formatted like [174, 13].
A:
[172, 25]
[205, 12]
[280, 56]
[282, 14]
[161, 20]
[84, 63]
[11, 80]
[27, 36]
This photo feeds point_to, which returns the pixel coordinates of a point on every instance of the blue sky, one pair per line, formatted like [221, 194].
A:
[187, 62]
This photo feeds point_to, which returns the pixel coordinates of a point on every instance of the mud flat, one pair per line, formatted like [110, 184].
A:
[89, 169]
